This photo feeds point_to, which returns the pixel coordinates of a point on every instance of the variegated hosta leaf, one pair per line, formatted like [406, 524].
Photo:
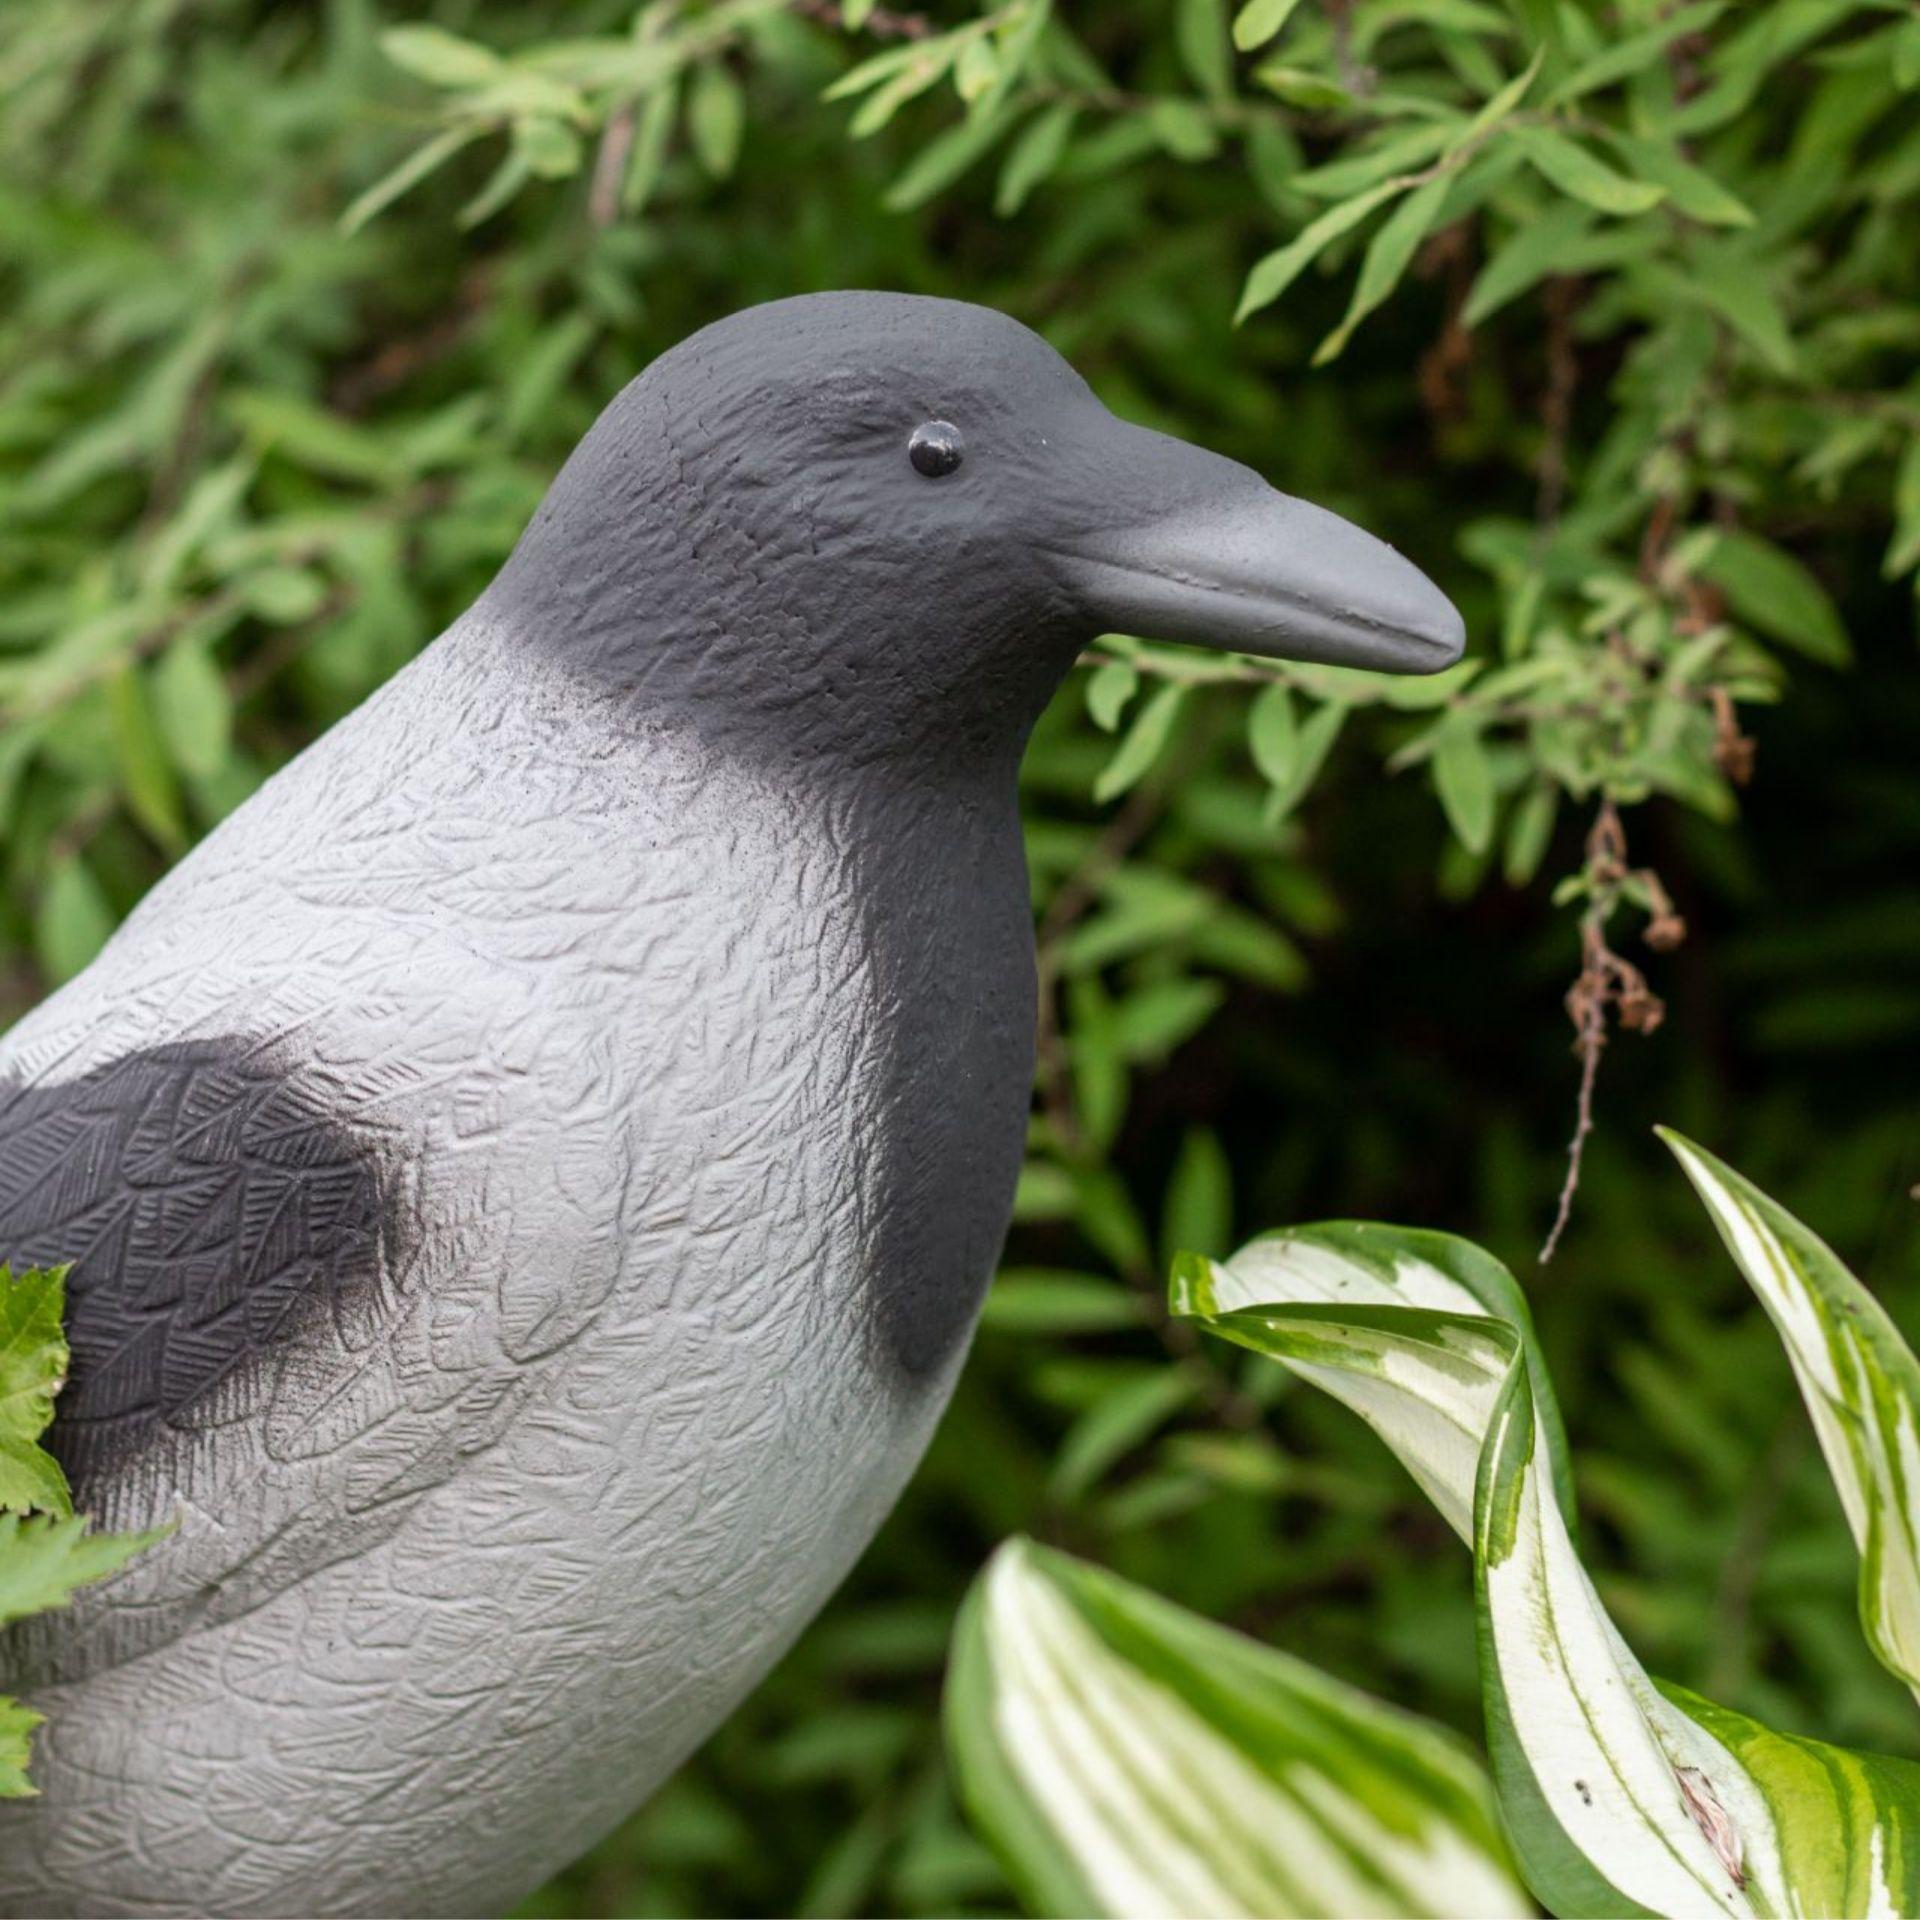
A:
[1127, 1757]
[1620, 1796]
[1861, 1384]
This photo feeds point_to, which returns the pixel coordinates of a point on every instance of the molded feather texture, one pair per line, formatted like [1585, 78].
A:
[691, 1102]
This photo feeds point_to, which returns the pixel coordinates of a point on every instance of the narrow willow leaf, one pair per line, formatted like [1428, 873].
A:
[1272, 276]
[1032, 157]
[1531, 252]
[1620, 1796]
[1770, 590]
[422, 161]
[1200, 32]
[1318, 732]
[1859, 1380]
[1273, 735]
[73, 920]
[1141, 746]
[1571, 168]
[1692, 190]
[1260, 21]
[1463, 778]
[1109, 688]
[1387, 257]
[1500, 105]
[1903, 552]
[441, 58]
[945, 158]
[716, 118]
[1634, 52]
[1126, 1757]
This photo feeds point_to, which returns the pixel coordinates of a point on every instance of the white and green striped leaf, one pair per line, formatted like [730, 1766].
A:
[1126, 1757]
[1620, 1795]
[1860, 1382]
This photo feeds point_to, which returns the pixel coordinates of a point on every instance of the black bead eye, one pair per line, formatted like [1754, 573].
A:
[935, 448]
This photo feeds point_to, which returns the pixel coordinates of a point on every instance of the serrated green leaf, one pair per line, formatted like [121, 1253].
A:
[45, 1558]
[16, 1728]
[1576, 171]
[33, 1366]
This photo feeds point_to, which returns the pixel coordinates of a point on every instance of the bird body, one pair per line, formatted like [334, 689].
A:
[532, 1171]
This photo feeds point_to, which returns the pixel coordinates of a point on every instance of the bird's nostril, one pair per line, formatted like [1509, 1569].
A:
[935, 448]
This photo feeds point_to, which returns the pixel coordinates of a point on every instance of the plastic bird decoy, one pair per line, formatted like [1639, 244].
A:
[532, 1172]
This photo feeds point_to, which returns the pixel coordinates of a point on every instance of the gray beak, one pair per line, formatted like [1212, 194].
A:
[1221, 559]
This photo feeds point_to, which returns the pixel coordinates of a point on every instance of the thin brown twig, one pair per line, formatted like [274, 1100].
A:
[1608, 985]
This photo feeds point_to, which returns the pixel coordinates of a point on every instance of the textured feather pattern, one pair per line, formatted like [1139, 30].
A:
[524, 1235]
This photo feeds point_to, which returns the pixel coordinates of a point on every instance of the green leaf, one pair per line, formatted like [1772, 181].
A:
[1620, 1795]
[1109, 688]
[1571, 168]
[1141, 745]
[422, 161]
[945, 158]
[1694, 192]
[1906, 57]
[33, 1366]
[1860, 1382]
[146, 774]
[1034, 156]
[193, 709]
[46, 1556]
[1770, 590]
[1272, 276]
[16, 1727]
[74, 920]
[1273, 734]
[1200, 32]
[1633, 53]
[1527, 256]
[442, 58]
[1463, 778]
[1126, 1757]
[1903, 551]
[716, 117]
[1387, 258]
[1260, 21]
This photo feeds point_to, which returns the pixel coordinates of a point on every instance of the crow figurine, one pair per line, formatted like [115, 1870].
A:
[531, 1173]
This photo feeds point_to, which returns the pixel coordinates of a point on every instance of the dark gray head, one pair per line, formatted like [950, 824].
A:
[859, 524]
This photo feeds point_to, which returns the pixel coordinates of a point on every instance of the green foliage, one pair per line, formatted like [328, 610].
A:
[272, 412]
[46, 1550]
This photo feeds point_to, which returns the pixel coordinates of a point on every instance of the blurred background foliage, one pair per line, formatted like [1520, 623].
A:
[1606, 313]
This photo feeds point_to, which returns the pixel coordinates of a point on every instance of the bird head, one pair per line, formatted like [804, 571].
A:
[866, 523]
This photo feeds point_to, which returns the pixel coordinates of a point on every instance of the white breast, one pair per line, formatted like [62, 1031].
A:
[480, 1564]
